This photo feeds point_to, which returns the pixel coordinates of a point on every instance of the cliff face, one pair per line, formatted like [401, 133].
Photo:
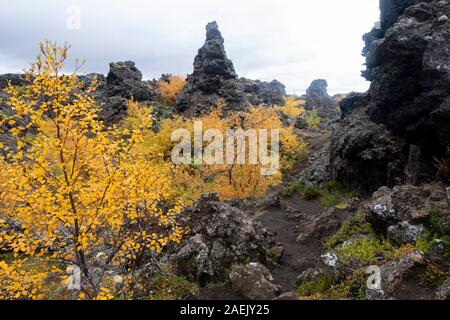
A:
[408, 103]
[214, 80]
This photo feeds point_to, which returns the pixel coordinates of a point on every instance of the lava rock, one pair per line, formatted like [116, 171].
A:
[404, 233]
[254, 281]
[220, 236]
[317, 98]
[365, 154]
[392, 275]
[214, 81]
[392, 206]
[408, 103]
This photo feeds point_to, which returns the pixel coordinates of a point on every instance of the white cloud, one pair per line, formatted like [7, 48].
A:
[294, 41]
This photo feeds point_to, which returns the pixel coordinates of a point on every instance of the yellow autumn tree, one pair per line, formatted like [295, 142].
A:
[292, 108]
[81, 192]
[230, 181]
[169, 88]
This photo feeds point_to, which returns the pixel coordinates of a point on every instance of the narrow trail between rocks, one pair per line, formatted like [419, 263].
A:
[291, 219]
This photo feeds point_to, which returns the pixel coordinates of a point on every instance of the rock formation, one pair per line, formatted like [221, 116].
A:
[317, 98]
[405, 115]
[123, 82]
[221, 235]
[214, 80]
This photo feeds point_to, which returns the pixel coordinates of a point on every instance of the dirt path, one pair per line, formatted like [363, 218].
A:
[287, 225]
[291, 219]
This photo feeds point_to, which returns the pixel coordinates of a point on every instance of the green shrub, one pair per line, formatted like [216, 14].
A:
[311, 193]
[354, 226]
[433, 276]
[313, 119]
[293, 188]
[333, 187]
[331, 200]
[339, 287]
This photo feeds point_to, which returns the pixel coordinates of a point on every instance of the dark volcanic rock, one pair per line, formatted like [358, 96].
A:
[254, 281]
[365, 154]
[403, 213]
[408, 61]
[214, 81]
[220, 236]
[258, 92]
[317, 97]
[123, 82]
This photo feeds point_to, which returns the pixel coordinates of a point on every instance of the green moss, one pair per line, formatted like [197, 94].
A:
[354, 226]
[334, 193]
[293, 188]
[172, 288]
[318, 286]
[364, 251]
[311, 193]
[364, 248]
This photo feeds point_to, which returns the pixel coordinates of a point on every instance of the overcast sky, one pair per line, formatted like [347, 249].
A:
[294, 41]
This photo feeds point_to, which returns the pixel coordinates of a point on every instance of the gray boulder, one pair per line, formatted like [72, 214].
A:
[254, 281]
[404, 233]
[220, 236]
[393, 274]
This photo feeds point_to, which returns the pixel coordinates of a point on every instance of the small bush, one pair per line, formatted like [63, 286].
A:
[352, 286]
[293, 188]
[433, 276]
[330, 200]
[292, 107]
[442, 166]
[313, 119]
[364, 251]
[311, 193]
[170, 88]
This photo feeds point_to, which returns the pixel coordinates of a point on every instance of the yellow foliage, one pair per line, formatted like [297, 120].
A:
[170, 88]
[229, 181]
[73, 185]
[292, 108]
[16, 282]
